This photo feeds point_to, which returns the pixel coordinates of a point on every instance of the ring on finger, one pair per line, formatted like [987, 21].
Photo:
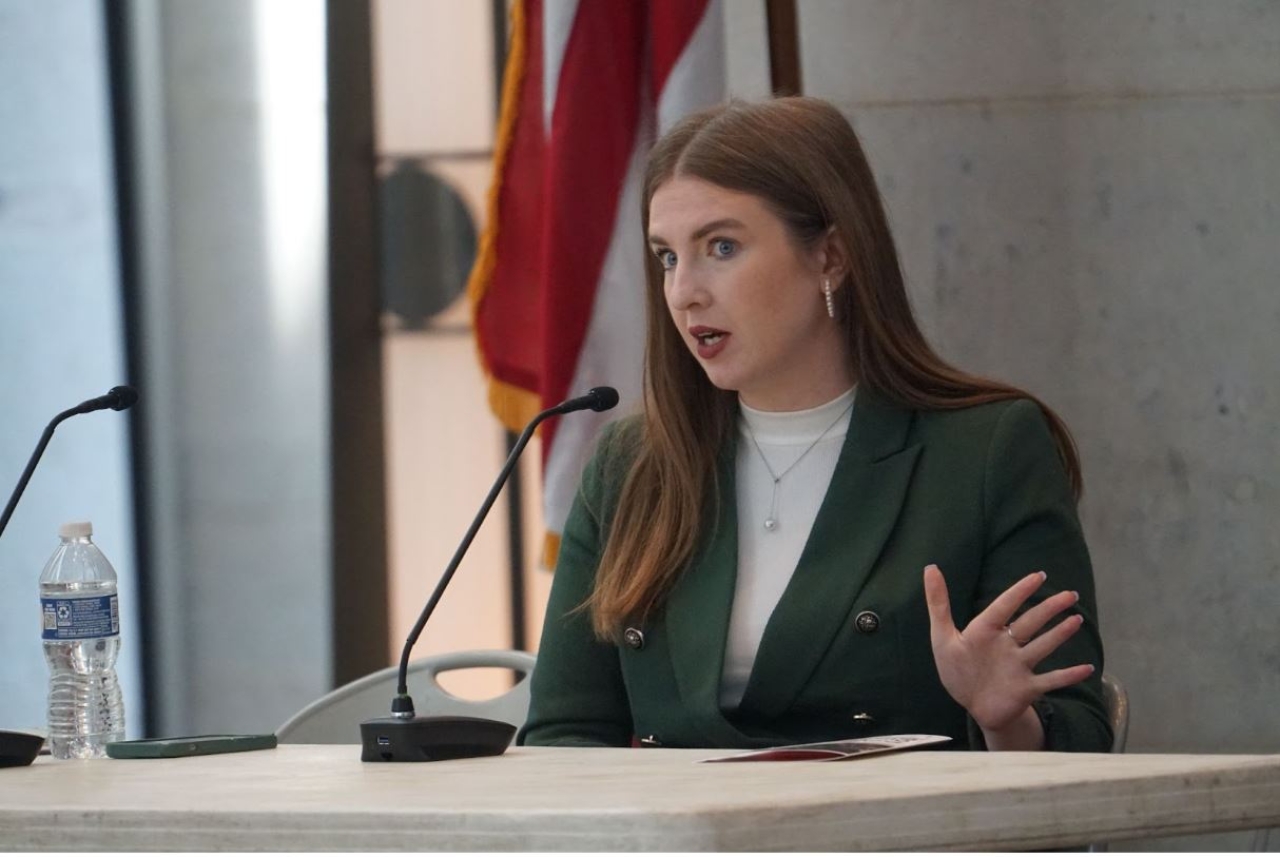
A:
[1008, 629]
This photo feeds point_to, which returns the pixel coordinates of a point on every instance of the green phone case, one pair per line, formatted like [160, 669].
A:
[195, 745]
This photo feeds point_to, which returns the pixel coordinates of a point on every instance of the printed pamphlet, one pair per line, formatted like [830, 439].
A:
[835, 751]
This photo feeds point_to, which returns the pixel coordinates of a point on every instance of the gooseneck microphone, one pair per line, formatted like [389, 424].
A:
[405, 737]
[117, 399]
[20, 748]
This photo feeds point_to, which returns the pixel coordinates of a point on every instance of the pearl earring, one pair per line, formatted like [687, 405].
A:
[826, 292]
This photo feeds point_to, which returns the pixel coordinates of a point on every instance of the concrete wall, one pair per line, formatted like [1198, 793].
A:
[61, 332]
[1087, 199]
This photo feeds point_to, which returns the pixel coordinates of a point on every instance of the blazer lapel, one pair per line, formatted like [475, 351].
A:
[697, 615]
[858, 513]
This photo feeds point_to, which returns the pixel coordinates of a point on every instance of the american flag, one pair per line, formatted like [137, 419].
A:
[557, 289]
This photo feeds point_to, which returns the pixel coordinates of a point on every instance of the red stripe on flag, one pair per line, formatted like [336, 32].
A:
[554, 205]
[593, 134]
[511, 301]
[672, 23]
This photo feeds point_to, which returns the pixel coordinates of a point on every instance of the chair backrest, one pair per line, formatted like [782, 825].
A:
[1117, 701]
[335, 717]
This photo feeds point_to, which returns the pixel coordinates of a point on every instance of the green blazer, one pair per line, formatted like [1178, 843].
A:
[846, 653]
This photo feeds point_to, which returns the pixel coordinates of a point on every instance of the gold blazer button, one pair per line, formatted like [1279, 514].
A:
[867, 622]
[634, 638]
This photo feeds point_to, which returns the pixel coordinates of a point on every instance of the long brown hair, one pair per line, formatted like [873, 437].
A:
[803, 159]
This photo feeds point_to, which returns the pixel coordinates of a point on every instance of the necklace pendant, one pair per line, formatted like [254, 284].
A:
[770, 524]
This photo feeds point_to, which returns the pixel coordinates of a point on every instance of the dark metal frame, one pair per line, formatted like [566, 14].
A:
[115, 14]
[784, 47]
[358, 482]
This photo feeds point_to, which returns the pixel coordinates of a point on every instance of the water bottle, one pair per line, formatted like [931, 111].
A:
[81, 620]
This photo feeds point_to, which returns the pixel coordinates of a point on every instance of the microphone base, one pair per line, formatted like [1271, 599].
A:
[432, 739]
[18, 748]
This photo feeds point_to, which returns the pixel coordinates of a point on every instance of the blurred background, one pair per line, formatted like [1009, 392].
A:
[262, 213]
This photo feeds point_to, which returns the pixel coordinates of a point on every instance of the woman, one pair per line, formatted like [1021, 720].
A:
[759, 558]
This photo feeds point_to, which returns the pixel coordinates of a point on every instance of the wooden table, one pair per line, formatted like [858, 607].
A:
[320, 798]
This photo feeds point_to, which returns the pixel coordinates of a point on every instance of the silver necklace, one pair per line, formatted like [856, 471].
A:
[771, 522]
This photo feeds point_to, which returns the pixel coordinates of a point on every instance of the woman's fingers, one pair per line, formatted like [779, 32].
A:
[988, 674]
[1026, 626]
[1007, 603]
[1058, 679]
[935, 595]
[1045, 644]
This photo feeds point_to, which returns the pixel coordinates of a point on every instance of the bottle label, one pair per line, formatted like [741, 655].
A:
[81, 618]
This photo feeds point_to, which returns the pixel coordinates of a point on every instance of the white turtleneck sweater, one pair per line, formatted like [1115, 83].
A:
[768, 558]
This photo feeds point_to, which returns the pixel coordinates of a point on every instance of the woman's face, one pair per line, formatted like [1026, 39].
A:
[746, 299]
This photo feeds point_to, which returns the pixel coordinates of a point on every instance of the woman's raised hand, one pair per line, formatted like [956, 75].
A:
[989, 667]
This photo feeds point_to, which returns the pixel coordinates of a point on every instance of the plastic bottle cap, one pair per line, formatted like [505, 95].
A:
[75, 530]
